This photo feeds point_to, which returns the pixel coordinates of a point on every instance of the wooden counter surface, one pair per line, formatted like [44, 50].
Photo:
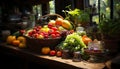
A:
[51, 60]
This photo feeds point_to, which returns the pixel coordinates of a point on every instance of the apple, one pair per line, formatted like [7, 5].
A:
[39, 27]
[46, 35]
[50, 25]
[50, 31]
[56, 32]
[54, 28]
[34, 31]
[35, 35]
[58, 35]
[52, 53]
[60, 28]
[52, 22]
[30, 33]
[53, 35]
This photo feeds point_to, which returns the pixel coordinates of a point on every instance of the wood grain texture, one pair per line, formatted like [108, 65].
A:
[58, 62]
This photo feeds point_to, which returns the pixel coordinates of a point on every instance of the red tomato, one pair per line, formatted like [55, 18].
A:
[59, 54]
[52, 53]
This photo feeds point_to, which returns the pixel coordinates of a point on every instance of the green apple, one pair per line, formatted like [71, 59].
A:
[60, 28]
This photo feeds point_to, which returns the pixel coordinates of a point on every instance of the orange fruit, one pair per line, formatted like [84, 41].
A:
[21, 39]
[59, 21]
[45, 50]
[22, 45]
[59, 54]
[86, 39]
[16, 42]
[10, 39]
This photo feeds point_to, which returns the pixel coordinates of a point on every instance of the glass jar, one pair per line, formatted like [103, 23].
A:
[5, 34]
[76, 56]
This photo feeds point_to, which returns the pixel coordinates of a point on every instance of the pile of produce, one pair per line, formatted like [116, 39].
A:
[19, 41]
[54, 29]
[73, 42]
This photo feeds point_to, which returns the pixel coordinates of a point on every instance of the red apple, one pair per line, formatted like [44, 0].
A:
[50, 31]
[53, 35]
[54, 28]
[58, 35]
[52, 22]
[50, 25]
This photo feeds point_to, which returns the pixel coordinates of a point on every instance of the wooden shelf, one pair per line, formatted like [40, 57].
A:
[51, 60]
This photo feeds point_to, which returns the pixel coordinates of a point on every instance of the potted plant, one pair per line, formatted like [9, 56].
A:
[110, 30]
[77, 16]
[84, 18]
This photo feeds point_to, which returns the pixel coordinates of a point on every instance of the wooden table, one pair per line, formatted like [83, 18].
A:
[51, 60]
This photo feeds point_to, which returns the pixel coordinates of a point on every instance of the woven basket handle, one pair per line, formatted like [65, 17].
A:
[51, 15]
[46, 18]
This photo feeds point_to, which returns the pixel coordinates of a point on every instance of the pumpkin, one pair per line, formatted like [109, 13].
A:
[86, 39]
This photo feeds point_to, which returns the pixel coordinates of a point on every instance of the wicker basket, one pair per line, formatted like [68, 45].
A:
[46, 18]
[35, 45]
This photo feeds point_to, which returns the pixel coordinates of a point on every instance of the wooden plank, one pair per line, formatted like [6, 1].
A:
[51, 60]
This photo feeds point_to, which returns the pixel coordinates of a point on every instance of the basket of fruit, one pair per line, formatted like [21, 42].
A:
[37, 38]
[47, 35]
